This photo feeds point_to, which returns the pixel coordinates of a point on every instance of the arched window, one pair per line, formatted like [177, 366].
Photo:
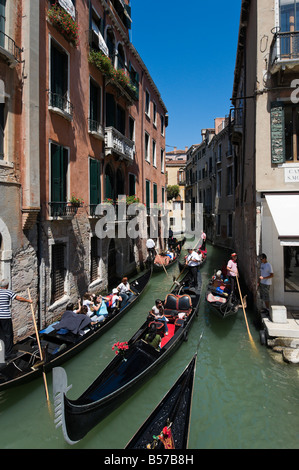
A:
[121, 59]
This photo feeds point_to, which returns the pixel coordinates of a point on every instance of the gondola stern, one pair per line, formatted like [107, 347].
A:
[60, 388]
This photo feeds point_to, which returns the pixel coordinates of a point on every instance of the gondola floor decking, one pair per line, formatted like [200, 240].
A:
[125, 372]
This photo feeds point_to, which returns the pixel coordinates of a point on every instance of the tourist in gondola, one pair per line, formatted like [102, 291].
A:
[232, 271]
[152, 337]
[193, 261]
[6, 328]
[124, 290]
[158, 313]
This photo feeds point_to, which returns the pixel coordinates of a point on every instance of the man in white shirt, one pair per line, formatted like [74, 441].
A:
[193, 261]
[150, 245]
[124, 290]
[265, 280]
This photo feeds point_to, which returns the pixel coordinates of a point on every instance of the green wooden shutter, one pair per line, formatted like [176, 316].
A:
[277, 133]
[2, 21]
[148, 197]
[56, 173]
[95, 181]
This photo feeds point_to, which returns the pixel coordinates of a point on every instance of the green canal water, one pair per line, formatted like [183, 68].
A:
[243, 397]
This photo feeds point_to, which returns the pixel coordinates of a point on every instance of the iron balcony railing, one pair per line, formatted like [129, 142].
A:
[62, 209]
[61, 103]
[236, 117]
[94, 127]
[8, 45]
[285, 46]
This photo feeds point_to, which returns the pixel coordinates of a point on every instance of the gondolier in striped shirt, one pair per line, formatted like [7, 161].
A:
[6, 329]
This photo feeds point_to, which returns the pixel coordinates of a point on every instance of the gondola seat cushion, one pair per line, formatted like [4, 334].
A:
[177, 303]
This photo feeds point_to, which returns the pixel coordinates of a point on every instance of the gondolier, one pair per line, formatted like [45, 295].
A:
[193, 261]
[6, 328]
[150, 245]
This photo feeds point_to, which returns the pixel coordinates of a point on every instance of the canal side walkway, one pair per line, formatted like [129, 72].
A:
[281, 332]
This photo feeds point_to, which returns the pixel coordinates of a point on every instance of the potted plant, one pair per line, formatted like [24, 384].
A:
[64, 23]
[76, 201]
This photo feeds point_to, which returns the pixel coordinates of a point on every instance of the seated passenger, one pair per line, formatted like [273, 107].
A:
[88, 301]
[100, 308]
[124, 290]
[113, 300]
[158, 314]
[152, 337]
[74, 322]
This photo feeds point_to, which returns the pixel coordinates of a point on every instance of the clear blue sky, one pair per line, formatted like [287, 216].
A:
[189, 49]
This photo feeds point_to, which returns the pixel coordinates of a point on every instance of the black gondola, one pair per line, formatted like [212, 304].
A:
[60, 347]
[177, 247]
[125, 372]
[220, 297]
[173, 413]
[158, 267]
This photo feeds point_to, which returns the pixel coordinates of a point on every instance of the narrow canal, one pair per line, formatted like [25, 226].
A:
[243, 397]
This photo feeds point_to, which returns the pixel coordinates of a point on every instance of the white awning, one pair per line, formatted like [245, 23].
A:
[284, 209]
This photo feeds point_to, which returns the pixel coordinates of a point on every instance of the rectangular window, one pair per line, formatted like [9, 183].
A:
[147, 103]
[132, 184]
[146, 147]
[229, 181]
[154, 153]
[155, 194]
[154, 114]
[162, 124]
[58, 274]
[162, 161]
[58, 184]
[219, 183]
[94, 259]
[94, 107]
[291, 263]
[131, 129]
[59, 94]
[147, 195]
[94, 184]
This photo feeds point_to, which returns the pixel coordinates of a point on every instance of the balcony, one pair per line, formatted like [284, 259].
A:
[62, 210]
[117, 143]
[284, 51]
[60, 105]
[96, 129]
[9, 50]
[236, 120]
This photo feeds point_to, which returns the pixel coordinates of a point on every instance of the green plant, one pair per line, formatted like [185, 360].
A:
[102, 62]
[108, 200]
[64, 23]
[173, 191]
[132, 199]
[76, 201]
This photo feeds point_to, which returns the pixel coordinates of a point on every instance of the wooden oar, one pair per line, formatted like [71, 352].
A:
[175, 280]
[245, 316]
[165, 269]
[40, 349]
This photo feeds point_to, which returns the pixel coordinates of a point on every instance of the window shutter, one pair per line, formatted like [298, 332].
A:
[277, 133]
[56, 174]
[95, 181]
